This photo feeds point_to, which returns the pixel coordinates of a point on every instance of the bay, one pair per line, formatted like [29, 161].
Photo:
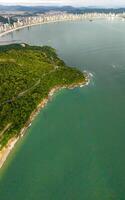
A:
[75, 147]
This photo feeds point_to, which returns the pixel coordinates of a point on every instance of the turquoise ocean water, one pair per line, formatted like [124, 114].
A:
[75, 148]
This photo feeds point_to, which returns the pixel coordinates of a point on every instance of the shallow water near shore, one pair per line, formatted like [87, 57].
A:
[75, 147]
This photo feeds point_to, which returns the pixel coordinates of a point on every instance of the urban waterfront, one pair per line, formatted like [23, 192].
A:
[79, 149]
[55, 17]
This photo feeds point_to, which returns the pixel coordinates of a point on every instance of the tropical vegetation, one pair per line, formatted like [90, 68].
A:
[27, 74]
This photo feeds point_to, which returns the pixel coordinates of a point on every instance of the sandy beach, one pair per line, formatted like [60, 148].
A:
[40, 23]
[11, 143]
[30, 25]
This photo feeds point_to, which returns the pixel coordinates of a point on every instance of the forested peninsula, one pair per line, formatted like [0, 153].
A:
[29, 75]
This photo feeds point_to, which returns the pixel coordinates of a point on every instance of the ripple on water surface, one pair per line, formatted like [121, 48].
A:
[75, 147]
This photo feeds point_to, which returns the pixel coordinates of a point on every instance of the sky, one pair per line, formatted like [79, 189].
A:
[78, 3]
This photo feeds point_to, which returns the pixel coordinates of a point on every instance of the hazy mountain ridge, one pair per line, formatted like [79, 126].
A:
[69, 9]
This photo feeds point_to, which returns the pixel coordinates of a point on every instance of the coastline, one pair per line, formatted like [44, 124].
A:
[41, 23]
[30, 25]
[4, 153]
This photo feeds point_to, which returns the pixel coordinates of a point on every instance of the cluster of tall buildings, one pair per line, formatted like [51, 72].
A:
[53, 17]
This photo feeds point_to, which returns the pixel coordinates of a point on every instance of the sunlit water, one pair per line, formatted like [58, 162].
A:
[75, 148]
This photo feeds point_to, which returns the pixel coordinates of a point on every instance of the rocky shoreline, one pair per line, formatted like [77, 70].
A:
[4, 153]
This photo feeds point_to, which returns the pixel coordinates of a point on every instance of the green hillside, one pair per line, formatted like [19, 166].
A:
[27, 73]
[5, 20]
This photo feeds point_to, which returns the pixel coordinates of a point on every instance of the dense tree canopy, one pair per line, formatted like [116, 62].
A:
[27, 74]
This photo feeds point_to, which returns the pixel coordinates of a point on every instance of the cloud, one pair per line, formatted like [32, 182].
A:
[66, 2]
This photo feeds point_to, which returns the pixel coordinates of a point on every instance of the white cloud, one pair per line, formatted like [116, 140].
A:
[66, 2]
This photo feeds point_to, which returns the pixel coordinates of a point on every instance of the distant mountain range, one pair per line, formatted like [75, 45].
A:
[69, 9]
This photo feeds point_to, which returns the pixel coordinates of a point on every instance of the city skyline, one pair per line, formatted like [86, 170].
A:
[78, 3]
